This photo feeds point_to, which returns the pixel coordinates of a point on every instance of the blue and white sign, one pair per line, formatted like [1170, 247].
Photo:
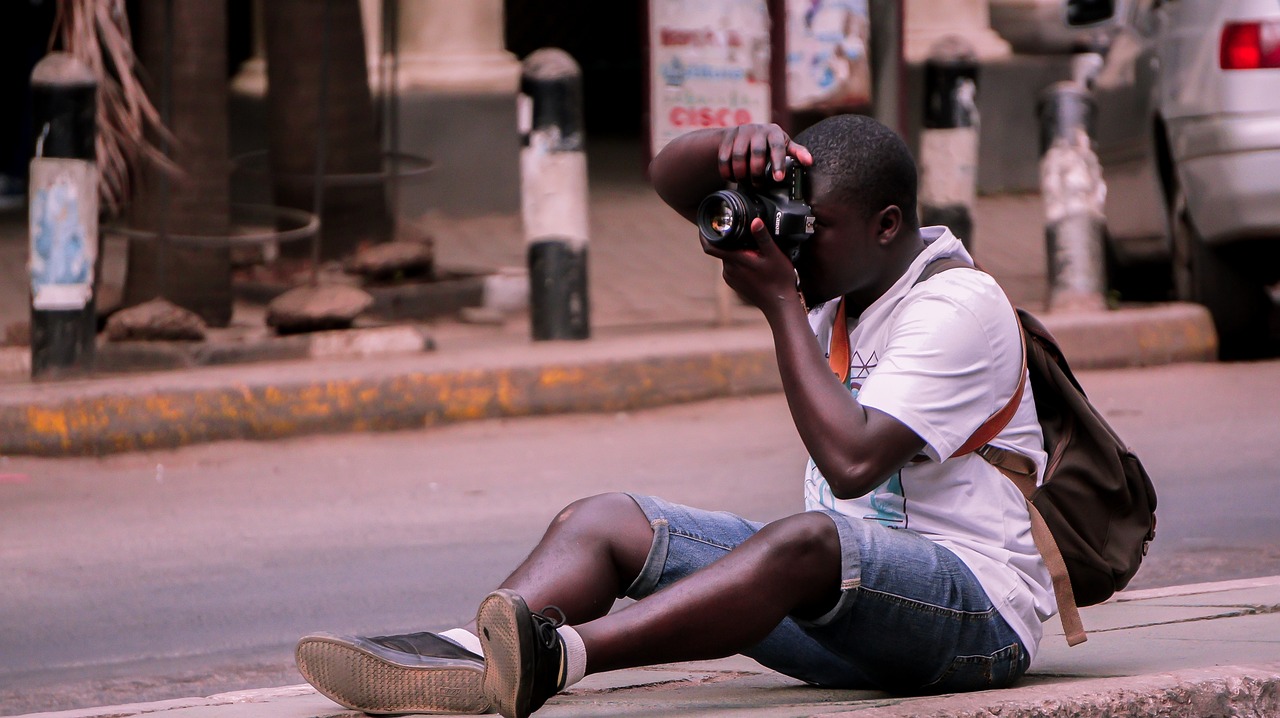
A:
[64, 232]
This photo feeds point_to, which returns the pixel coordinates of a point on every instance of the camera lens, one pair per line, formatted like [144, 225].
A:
[720, 218]
[724, 218]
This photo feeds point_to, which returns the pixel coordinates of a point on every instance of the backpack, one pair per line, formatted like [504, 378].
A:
[1093, 516]
[1096, 500]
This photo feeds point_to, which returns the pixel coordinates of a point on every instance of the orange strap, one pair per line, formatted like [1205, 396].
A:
[838, 353]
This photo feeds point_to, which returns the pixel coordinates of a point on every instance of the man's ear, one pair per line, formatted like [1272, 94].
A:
[889, 223]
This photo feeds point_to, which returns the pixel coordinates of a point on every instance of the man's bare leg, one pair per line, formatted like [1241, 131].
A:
[592, 551]
[791, 567]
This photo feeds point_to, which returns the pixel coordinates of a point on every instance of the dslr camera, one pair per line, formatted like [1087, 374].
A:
[724, 217]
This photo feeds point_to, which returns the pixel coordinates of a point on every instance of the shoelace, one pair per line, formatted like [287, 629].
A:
[545, 626]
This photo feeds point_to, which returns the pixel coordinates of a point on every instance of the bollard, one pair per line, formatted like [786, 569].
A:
[63, 217]
[1074, 195]
[949, 139]
[553, 189]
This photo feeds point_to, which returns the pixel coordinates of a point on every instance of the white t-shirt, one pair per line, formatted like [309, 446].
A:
[942, 356]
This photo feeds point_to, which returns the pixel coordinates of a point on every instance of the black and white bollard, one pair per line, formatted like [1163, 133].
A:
[63, 217]
[553, 188]
[1074, 195]
[949, 139]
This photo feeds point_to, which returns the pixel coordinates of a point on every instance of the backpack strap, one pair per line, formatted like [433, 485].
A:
[1068, 612]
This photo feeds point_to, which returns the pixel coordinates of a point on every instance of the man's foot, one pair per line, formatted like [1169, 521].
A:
[525, 656]
[414, 673]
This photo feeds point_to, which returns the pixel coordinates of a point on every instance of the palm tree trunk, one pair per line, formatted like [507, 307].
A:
[195, 99]
[294, 31]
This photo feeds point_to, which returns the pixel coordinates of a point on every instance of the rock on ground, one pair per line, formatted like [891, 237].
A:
[317, 308]
[158, 320]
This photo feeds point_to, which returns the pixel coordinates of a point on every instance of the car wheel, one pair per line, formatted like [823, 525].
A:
[1136, 280]
[1203, 274]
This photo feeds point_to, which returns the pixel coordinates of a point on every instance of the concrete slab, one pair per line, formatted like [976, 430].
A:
[1165, 647]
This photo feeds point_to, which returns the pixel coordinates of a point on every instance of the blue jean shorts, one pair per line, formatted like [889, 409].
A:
[911, 618]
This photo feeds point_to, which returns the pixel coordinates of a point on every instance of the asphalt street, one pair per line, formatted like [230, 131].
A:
[188, 572]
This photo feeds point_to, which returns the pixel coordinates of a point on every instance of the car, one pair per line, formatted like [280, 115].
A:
[1188, 135]
[1035, 27]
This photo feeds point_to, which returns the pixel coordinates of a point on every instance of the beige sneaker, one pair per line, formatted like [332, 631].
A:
[413, 673]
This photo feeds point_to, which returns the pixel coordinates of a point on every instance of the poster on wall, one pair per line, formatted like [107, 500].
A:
[709, 66]
[827, 66]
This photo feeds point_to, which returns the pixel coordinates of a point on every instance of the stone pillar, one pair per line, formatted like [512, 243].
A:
[446, 45]
[928, 21]
[457, 87]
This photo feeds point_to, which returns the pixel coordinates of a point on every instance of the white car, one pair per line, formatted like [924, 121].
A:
[1188, 133]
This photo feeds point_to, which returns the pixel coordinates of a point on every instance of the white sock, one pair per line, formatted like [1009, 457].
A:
[464, 638]
[575, 655]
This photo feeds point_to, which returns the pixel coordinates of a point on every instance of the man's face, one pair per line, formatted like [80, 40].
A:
[840, 257]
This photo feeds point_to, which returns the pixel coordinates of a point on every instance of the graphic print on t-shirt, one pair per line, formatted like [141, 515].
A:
[860, 368]
[888, 500]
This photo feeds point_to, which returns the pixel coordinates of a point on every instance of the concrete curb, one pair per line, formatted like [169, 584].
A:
[137, 420]
[1194, 693]
[1135, 336]
[614, 376]
[1249, 691]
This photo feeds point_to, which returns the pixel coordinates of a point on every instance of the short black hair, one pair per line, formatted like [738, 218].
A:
[868, 163]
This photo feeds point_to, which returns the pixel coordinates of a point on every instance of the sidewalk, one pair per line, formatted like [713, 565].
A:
[1191, 651]
[658, 337]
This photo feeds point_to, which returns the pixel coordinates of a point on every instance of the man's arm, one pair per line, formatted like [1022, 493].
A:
[855, 448]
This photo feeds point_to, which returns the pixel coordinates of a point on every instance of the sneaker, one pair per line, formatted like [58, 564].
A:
[526, 662]
[414, 673]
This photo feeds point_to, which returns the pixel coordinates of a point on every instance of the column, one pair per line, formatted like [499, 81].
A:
[928, 21]
[446, 45]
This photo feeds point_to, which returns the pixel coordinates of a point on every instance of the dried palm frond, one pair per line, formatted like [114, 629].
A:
[97, 33]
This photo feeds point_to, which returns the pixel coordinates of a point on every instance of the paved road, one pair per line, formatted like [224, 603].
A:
[145, 576]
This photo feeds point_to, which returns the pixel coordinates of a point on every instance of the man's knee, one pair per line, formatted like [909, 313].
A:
[607, 517]
[612, 524]
[807, 541]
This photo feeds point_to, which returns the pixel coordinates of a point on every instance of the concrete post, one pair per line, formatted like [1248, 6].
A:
[553, 186]
[63, 217]
[949, 139]
[1074, 197]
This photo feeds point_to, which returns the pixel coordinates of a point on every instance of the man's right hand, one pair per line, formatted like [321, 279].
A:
[747, 151]
[700, 162]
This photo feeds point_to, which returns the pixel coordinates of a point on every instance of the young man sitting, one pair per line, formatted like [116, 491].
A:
[912, 568]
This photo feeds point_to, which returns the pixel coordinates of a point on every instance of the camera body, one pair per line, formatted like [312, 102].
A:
[724, 217]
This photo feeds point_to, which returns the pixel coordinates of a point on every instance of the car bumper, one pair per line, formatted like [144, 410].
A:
[1230, 168]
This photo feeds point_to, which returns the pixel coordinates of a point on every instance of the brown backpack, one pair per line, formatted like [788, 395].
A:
[1096, 498]
[1093, 516]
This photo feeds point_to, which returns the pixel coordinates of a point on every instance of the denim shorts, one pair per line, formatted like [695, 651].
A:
[911, 618]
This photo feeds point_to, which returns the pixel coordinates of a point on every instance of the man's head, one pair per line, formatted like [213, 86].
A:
[862, 187]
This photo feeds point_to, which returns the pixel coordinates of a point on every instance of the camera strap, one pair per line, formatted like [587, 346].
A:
[839, 353]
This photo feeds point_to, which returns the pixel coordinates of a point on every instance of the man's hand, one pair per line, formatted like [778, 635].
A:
[755, 155]
[746, 150]
[763, 276]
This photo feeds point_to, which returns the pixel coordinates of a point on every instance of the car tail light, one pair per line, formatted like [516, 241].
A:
[1250, 45]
